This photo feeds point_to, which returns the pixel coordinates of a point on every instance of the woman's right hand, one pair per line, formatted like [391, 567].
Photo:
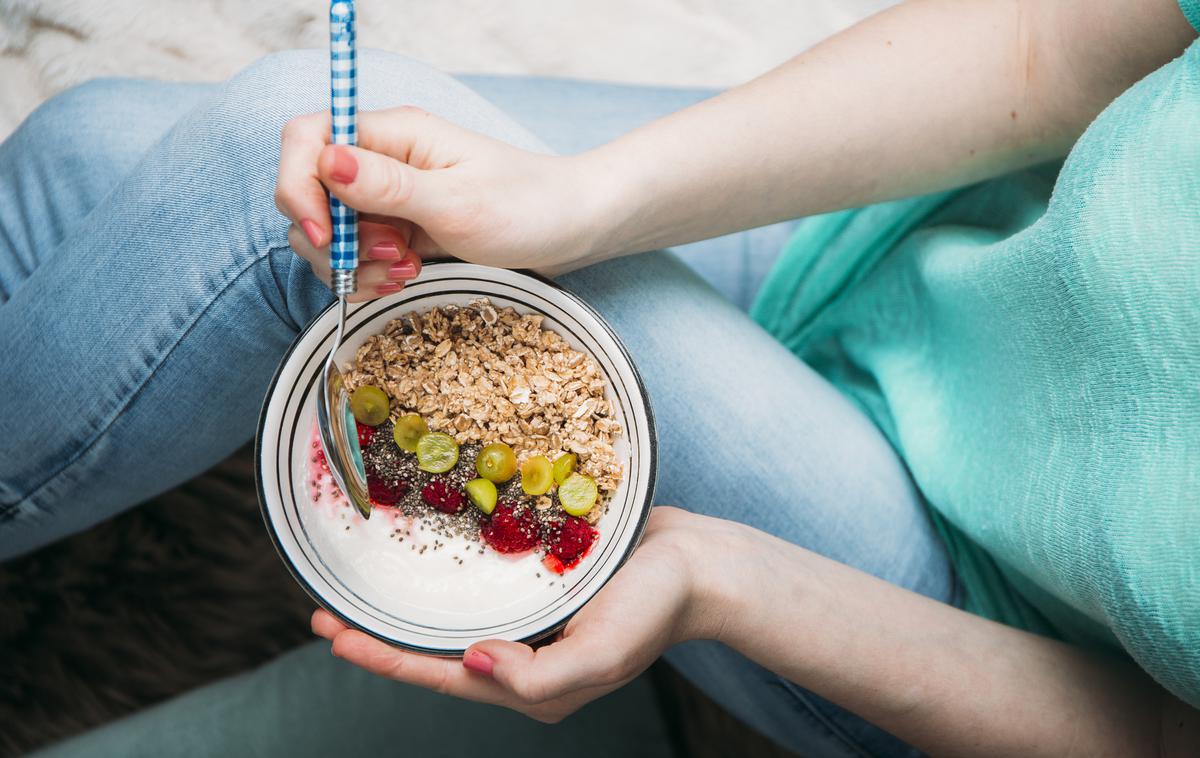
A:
[427, 188]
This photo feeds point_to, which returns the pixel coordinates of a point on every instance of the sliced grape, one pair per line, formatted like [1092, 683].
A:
[436, 453]
[483, 494]
[536, 475]
[369, 404]
[408, 430]
[578, 494]
[564, 466]
[496, 462]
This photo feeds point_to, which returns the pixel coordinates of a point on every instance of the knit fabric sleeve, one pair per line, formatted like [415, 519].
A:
[1191, 9]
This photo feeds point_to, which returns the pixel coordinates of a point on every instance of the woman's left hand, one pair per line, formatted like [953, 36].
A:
[649, 605]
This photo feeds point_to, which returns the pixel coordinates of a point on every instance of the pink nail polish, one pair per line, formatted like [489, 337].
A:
[312, 231]
[385, 251]
[345, 166]
[479, 662]
[388, 288]
[402, 270]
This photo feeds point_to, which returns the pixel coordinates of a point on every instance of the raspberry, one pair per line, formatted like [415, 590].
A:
[553, 563]
[570, 540]
[365, 435]
[510, 529]
[441, 495]
[384, 493]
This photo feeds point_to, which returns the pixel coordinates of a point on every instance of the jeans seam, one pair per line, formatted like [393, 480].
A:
[7, 511]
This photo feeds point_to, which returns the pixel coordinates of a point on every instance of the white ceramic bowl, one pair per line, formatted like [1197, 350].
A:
[428, 602]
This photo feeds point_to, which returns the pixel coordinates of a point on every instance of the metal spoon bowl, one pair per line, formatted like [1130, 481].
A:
[337, 429]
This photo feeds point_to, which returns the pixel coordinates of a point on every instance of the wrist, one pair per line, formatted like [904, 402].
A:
[605, 205]
[739, 578]
[722, 569]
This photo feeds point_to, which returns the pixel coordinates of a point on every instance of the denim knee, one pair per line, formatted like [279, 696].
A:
[67, 134]
[286, 84]
[241, 127]
[290, 83]
[245, 121]
[98, 130]
[240, 132]
[61, 124]
[236, 135]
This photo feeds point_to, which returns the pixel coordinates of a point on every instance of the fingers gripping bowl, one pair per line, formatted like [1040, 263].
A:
[429, 578]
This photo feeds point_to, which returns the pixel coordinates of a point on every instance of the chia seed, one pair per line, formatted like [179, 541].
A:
[387, 462]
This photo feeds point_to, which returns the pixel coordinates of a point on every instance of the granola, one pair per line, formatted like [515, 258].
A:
[483, 374]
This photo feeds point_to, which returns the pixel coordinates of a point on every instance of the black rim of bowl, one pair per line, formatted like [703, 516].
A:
[639, 529]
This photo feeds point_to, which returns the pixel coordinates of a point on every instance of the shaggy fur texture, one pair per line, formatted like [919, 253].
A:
[176, 593]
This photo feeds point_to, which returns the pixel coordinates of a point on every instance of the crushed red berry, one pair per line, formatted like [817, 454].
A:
[365, 435]
[442, 495]
[570, 541]
[383, 492]
[510, 529]
[550, 561]
[517, 525]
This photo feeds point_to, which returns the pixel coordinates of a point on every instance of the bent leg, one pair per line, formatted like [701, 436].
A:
[138, 351]
[748, 432]
[70, 153]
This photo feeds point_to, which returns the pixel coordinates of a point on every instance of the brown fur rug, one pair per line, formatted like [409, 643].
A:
[179, 592]
[182, 591]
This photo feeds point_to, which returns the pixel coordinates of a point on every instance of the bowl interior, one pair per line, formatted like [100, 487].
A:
[391, 578]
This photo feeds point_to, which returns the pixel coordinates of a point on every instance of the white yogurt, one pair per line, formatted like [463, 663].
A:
[391, 563]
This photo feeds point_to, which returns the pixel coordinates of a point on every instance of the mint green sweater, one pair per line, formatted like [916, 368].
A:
[1031, 347]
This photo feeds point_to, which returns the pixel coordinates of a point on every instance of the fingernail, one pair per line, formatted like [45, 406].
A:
[345, 167]
[388, 288]
[478, 662]
[402, 270]
[385, 251]
[312, 231]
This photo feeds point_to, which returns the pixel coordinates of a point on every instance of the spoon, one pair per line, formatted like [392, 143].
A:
[335, 421]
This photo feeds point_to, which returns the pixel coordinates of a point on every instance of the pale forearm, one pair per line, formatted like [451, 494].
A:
[926, 96]
[946, 681]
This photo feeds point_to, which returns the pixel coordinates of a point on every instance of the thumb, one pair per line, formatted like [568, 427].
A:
[536, 676]
[484, 658]
[372, 182]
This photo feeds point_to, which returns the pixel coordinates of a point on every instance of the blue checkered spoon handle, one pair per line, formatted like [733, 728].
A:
[343, 105]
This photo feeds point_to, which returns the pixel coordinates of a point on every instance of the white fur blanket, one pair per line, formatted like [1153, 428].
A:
[49, 45]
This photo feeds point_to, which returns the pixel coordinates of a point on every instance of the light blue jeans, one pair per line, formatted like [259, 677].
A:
[147, 293]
